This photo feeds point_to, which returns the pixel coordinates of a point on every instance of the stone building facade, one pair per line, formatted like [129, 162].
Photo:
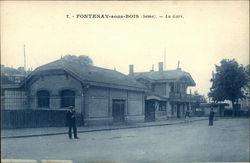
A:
[100, 96]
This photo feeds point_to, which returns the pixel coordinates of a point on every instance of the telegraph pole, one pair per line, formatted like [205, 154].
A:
[25, 86]
[24, 58]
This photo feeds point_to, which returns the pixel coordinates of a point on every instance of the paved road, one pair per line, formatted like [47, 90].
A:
[227, 140]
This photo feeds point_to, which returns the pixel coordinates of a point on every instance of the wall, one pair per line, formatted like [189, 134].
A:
[136, 107]
[160, 89]
[14, 100]
[54, 84]
[168, 90]
[97, 102]
[98, 105]
[95, 105]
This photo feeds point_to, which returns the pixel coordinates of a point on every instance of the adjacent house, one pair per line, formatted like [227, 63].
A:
[166, 92]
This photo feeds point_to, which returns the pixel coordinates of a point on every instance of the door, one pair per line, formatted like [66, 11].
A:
[118, 107]
[149, 110]
[178, 111]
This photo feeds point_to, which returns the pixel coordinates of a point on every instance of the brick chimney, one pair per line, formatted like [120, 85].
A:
[161, 66]
[131, 69]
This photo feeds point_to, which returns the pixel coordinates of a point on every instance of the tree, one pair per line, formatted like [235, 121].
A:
[247, 91]
[229, 82]
[199, 99]
[82, 59]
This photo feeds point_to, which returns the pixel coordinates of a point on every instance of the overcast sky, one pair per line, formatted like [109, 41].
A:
[207, 32]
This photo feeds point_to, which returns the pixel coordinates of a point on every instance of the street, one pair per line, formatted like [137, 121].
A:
[226, 141]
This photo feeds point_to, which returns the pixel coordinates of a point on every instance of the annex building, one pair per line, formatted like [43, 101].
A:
[166, 95]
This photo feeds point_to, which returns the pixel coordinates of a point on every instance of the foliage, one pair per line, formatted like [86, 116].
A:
[199, 99]
[8, 72]
[247, 91]
[82, 59]
[229, 81]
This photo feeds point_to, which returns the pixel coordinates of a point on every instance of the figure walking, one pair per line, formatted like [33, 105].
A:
[187, 116]
[71, 122]
[211, 117]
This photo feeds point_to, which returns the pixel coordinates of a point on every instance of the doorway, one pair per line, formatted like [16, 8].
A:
[150, 110]
[178, 111]
[118, 109]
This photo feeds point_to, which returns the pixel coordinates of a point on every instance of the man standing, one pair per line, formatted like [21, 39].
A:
[187, 115]
[71, 122]
[211, 117]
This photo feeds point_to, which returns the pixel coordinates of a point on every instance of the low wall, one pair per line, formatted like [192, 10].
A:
[29, 118]
[134, 119]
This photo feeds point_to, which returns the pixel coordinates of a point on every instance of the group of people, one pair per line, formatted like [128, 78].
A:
[211, 116]
[71, 120]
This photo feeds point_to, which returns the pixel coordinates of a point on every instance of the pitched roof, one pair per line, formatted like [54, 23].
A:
[92, 74]
[169, 75]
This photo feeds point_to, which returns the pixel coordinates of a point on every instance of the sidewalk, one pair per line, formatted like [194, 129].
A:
[31, 132]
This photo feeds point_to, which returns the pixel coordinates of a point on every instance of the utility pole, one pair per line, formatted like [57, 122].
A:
[24, 57]
[25, 86]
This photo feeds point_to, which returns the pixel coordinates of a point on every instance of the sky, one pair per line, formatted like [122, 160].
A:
[204, 33]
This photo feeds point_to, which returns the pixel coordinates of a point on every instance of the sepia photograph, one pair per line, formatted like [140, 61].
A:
[125, 81]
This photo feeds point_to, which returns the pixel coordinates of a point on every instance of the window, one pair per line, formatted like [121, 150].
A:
[67, 98]
[162, 106]
[172, 87]
[178, 88]
[43, 97]
[172, 109]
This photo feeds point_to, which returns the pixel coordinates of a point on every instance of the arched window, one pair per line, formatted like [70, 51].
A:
[67, 98]
[43, 97]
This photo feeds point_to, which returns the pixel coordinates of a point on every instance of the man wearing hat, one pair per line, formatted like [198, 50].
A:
[71, 122]
[211, 117]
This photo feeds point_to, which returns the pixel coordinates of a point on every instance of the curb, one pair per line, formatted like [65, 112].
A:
[33, 161]
[105, 129]
[56, 161]
[18, 161]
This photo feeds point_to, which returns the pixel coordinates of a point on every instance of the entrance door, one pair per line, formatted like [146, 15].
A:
[178, 110]
[118, 110]
[149, 110]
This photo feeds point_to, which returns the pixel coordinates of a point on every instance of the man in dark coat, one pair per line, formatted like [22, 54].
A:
[71, 122]
[211, 117]
[187, 116]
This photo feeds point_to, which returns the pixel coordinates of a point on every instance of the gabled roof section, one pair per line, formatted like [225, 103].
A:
[92, 74]
[164, 76]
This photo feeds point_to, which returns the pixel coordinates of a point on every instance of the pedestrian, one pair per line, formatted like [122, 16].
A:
[211, 117]
[71, 122]
[187, 115]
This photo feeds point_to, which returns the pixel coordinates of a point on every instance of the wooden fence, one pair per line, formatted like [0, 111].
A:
[30, 118]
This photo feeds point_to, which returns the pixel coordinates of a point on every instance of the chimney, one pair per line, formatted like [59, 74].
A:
[131, 69]
[161, 66]
[178, 67]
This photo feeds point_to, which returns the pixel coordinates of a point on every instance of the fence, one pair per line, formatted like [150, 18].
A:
[238, 113]
[34, 118]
